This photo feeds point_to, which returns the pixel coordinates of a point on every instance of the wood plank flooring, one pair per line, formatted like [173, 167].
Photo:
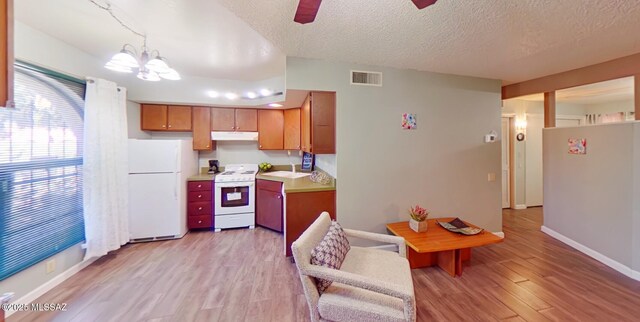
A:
[239, 275]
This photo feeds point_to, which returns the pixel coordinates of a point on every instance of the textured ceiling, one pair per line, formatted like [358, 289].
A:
[511, 40]
[198, 37]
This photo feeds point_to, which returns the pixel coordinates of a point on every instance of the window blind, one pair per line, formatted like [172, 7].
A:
[41, 143]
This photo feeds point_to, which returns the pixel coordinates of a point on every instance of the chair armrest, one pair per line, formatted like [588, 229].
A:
[402, 248]
[367, 283]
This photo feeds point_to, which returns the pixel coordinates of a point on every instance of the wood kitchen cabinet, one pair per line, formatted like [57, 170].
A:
[6, 53]
[318, 123]
[269, 204]
[303, 208]
[292, 129]
[201, 117]
[270, 129]
[155, 117]
[234, 119]
[199, 205]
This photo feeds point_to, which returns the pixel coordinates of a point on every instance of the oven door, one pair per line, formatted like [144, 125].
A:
[234, 198]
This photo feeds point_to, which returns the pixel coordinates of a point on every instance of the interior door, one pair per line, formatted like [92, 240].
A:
[506, 172]
[533, 160]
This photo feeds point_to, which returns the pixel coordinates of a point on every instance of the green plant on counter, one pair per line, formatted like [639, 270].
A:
[265, 166]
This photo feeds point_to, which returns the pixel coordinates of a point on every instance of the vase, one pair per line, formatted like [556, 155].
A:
[418, 226]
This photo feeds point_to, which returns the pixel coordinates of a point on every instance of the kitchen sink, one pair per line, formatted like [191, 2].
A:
[286, 174]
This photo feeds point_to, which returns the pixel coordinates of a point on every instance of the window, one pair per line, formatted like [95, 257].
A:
[41, 143]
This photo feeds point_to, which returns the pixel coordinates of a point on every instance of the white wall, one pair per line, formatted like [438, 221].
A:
[384, 170]
[593, 198]
[610, 107]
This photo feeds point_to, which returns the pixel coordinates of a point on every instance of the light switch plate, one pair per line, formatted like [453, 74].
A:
[491, 176]
[51, 266]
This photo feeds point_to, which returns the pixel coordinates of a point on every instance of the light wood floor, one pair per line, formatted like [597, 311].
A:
[237, 275]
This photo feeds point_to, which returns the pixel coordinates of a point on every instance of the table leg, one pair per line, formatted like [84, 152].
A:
[447, 261]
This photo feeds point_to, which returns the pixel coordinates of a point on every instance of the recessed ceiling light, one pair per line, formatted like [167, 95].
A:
[251, 95]
[265, 92]
[275, 105]
[231, 96]
[213, 94]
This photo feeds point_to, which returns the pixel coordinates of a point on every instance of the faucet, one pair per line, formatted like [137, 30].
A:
[293, 168]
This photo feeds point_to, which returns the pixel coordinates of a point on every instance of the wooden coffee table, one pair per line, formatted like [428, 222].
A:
[438, 246]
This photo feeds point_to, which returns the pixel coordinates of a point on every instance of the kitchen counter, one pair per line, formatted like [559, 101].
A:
[201, 177]
[303, 184]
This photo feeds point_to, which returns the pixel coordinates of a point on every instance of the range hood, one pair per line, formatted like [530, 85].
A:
[234, 136]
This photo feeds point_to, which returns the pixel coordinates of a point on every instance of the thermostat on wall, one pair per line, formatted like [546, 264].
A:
[491, 137]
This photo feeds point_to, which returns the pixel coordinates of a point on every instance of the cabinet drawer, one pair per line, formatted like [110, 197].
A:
[195, 196]
[274, 186]
[205, 221]
[199, 208]
[199, 185]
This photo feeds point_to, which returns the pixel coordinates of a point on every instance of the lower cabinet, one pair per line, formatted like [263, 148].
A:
[199, 205]
[269, 204]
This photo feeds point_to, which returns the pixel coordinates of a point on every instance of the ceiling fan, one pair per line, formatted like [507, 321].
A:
[308, 9]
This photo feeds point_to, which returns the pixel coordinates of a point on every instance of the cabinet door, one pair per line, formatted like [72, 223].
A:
[292, 129]
[323, 122]
[222, 119]
[246, 120]
[269, 209]
[153, 117]
[178, 118]
[270, 129]
[202, 129]
[6, 53]
[305, 124]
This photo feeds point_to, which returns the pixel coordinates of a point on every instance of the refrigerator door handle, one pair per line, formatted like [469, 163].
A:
[175, 187]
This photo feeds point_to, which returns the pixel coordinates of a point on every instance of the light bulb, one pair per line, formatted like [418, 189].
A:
[170, 74]
[118, 68]
[231, 96]
[265, 92]
[275, 105]
[213, 94]
[125, 59]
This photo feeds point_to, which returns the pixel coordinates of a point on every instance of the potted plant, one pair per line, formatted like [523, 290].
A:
[418, 221]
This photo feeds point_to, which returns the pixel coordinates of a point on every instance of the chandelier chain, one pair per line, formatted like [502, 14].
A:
[110, 11]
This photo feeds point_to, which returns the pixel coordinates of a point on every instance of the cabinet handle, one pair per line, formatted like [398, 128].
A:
[199, 221]
[261, 146]
[199, 196]
[169, 125]
[278, 196]
[199, 208]
[207, 145]
[163, 125]
[199, 186]
[233, 127]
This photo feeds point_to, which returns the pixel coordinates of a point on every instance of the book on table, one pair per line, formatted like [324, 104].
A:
[458, 226]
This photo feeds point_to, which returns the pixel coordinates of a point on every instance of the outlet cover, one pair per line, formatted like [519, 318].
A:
[491, 176]
[51, 266]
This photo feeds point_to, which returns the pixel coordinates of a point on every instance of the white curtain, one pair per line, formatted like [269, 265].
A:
[105, 167]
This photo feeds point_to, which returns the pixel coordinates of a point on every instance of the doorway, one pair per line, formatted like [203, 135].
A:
[507, 148]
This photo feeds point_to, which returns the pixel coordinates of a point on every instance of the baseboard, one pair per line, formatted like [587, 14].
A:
[390, 247]
[593, 254]
[520, 207]
[499, 234]
[46, 287]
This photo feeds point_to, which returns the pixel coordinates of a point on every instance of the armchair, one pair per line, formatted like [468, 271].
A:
[371, 285]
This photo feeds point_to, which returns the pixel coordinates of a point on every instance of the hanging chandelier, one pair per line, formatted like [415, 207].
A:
[149, 64]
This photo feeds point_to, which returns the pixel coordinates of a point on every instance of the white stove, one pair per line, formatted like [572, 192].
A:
[235, 196]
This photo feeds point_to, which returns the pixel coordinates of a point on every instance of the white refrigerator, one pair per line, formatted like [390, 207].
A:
[158, 172]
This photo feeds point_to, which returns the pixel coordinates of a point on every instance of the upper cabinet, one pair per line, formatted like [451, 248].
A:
[165, 117]
[6, 53]
[202, 129]
[318, 123]
[292, 129]
[270, 129]
[234, 119]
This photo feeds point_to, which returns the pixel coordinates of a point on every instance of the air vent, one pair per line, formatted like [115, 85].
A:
[366, 78]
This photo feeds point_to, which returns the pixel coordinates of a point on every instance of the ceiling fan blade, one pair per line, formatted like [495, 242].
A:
[421, 4]
[307, 11]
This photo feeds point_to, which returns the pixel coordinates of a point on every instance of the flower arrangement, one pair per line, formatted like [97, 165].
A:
[418, 213]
